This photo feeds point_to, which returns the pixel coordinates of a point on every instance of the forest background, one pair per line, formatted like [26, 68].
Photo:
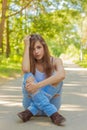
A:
[63, 24]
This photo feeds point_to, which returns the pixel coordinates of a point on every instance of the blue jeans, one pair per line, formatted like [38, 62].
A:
[42, 101]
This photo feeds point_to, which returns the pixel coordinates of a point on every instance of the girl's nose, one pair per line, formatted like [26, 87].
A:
[36, 51]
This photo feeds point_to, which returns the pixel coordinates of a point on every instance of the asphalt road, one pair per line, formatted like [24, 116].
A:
[74, 104]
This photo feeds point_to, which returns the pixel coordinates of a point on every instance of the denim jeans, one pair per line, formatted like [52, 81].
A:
[42, 101]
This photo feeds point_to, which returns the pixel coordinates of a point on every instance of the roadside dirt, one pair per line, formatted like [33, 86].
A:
[5, 80]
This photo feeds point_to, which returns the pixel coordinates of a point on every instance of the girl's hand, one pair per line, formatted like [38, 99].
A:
[27, 40]
[30, 79]
[31, 87]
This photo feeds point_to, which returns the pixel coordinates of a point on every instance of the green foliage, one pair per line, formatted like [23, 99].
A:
[72, 52]
[85, 54]
[55, 47]
[58, 26]
[49, 24]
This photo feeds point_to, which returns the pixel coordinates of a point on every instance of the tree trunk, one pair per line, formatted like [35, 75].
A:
[2, 23]
[7, 39]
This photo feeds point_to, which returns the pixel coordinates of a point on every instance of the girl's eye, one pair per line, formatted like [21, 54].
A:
[38, 47]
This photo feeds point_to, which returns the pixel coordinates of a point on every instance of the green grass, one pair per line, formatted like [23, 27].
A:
[10, 69]
[82, 63]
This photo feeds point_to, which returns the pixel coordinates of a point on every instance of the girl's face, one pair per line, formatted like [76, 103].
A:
[38, 51]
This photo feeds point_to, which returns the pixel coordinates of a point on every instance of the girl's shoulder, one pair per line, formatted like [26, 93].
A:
[55, 60]
[57, 63]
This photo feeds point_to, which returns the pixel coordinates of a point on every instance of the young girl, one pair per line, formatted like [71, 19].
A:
[43, 78]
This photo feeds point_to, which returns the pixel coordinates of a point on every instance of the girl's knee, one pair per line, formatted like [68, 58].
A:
[27, 75]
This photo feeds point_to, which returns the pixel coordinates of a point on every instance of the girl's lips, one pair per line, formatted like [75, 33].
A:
[37, 55]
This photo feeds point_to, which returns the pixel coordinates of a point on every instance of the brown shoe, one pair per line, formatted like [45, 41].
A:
[57, 118]
[25, 115]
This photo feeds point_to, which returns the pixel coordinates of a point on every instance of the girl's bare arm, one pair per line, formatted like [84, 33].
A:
[26, 59]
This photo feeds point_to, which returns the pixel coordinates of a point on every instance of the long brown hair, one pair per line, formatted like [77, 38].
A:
[47, 64]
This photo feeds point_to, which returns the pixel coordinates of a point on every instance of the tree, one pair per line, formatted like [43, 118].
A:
[2, 23]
